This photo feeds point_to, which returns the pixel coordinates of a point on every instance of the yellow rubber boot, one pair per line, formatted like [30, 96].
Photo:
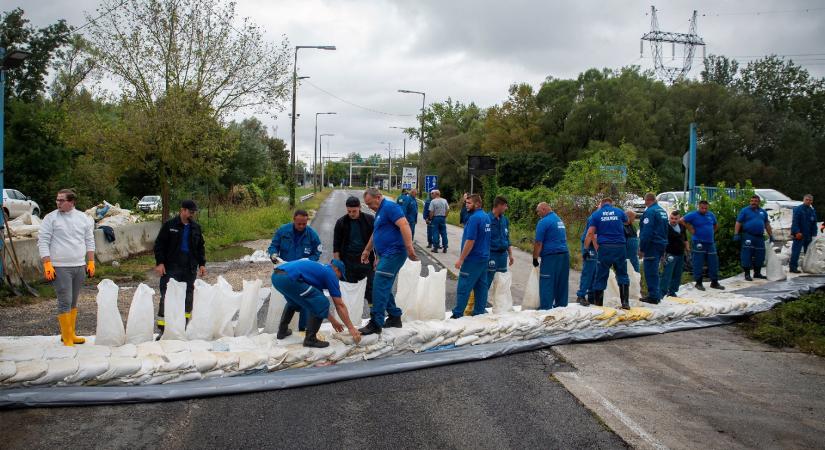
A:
[471, 303]
[75, 338]
[65, 329]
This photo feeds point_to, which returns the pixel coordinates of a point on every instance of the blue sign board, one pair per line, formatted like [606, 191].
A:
[430, 182]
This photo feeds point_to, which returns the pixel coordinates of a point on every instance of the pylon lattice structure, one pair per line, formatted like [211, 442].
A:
[688, 41]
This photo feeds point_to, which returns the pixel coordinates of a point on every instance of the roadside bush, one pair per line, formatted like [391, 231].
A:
[799, 323]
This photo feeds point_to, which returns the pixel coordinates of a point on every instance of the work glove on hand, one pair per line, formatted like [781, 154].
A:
[798, 236]
[90, 269]
[737, 238]
[535, 262]
[48, 271]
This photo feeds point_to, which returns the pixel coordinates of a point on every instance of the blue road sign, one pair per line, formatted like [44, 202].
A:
[430, 182]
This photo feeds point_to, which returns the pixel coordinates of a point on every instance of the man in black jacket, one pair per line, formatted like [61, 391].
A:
[180, 254]
[350, 237]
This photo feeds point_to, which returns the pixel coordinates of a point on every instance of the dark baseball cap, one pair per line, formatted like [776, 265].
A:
[189, 204]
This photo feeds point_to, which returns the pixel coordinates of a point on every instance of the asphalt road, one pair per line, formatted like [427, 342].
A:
[507, 402]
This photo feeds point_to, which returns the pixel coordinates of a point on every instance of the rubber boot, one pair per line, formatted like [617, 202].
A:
[283, 325]
[624, 295]
[311, 339]
[371, 327]
[598, 297]
[582, 301]
[700, 286]
[73, 316]
[757, 272]
[591, 298]
[65, 321]
[715, 285]
[393, 322]
[748, 275]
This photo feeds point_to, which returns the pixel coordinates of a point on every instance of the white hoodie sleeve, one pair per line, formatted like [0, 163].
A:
[44, 236]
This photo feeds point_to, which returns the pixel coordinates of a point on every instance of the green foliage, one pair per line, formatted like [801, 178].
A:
[799, 323]
[230, 224]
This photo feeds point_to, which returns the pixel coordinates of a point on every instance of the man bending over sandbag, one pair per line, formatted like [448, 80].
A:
[302, 283]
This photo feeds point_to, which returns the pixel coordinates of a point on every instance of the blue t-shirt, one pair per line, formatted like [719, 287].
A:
[499, 233]
[386, 236]
[753, 220]
[477, 229]
[609, 222]
[315, 274]
[702, 226]
[551, 233]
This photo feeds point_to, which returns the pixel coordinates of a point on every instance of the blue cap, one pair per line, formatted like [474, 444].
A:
[338, 264]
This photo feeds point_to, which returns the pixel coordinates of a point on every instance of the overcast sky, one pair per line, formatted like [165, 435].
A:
[472, 50]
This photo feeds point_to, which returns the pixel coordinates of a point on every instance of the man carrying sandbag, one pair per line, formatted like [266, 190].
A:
[66, 244]
[350, 236]
[606, 234]
[180, 255]
[302, 284]
[551, 245]
[474, 259]
[392, 240]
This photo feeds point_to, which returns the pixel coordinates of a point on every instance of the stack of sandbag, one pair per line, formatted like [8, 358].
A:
[24, 225]
[814, 261]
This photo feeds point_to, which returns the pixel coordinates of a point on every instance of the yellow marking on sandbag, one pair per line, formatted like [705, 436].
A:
[634, 314]
[607, 312]
[683, 301]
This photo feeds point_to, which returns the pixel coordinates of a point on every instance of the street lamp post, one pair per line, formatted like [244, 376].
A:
[403, 154]
[315, 154]
[294, 94]
[389, 171]
[321, 158]
[420, 134]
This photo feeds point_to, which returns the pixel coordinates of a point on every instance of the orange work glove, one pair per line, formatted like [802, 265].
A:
[48, 271]
[90, 269]
[798, 236]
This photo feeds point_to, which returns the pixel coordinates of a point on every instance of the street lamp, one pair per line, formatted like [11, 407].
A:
[315, 154]
[421, 134]
[321, 157]
[294, 93]
[403, 147]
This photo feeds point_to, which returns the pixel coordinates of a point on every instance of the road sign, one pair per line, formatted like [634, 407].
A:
[481, 165]
[430, 182]
[409, 178]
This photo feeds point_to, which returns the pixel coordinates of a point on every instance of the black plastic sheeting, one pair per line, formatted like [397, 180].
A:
[773, 293]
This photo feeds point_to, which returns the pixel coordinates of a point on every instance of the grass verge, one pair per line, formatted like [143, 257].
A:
[799, 324]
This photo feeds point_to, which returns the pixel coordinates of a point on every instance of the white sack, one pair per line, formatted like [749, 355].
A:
[7, 369]
[407, 288]
[432, 296]
[353, 296]
[773, 267]
[57, 371]
[227, 303]
[109, 323]
[531, 291]
[140, 325]
[203, 308]
[88, 367]
[275, 310]
[28, 371]
[635, 281]
[248, 314]
[500, 294]
[174, 311]
[814, 261]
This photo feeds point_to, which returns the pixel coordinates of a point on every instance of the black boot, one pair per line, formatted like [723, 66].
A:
[715, 285]
[757, 272]
[748, 275]
[392, 322]
[598, 298]
[699, 285]
[311, 339]
[624, 295]
[283, 326]
[372, 327]
[582, 301]
[445, 250]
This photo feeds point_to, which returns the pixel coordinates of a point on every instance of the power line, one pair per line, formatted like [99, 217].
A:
[763, 13]
[365, 108]
[100, 16]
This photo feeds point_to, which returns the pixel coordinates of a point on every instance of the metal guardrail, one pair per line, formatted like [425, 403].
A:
[307, 197]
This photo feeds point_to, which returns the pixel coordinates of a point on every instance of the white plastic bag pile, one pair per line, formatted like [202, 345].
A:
[25, 225]
[113, 215]
[223, 337]
[421, 298]
[814, 261]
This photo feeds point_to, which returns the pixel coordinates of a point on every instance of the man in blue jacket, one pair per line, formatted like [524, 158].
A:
[474, 258]
[410, 208]
[752, 222]
[652, 244]
[501, 254]
[551, 245]
[803, 230]
[294, 241]
[589, 265]
[426, 214]
[606, 234]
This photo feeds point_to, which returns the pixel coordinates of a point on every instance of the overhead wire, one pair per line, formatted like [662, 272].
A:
[365, 108]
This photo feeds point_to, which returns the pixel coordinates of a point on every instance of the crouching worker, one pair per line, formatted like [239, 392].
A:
[302, 284]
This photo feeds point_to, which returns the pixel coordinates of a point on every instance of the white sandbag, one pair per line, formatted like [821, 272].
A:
[140, 325]
[177, 362]
[174, 311]
[531, 291]
[59, 352]
[90, 350]
[200, 346]
[171, 346]
[88, 367]
[814, 261]
[500, 293]
[21, 352]
[110, 329]
[201, 324]
[611, 292]
[189, 376]
[408, 280]
[204, 361]
[635, 282]
[227, 303]
[125, 351]
[7, 370]
[773, 268]
[252, 360]
[353, 296]
[248, 313]
[432, 296]
[119, 368]
[149, 348]
[57, 371]
[28, 371]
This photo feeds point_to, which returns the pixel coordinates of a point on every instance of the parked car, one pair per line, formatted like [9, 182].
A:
[775, 200]
[149, 203]
[672, 200]
[16, 204]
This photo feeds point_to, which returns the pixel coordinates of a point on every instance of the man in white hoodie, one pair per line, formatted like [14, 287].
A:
[67, 249]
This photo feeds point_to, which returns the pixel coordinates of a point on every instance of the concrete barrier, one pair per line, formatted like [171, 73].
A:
[130, 239]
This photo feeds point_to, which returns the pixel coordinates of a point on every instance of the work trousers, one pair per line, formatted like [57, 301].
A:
[590, 263]
[300, 296]
[67, 283]
[753, 251]
[430, 233]
[553, 275]
[632, 251]
[439, 232]
[611, 255]
[472, 277]
[797, 247]
[705, 252]
[383, 302]
[653, 255]
[671, 275]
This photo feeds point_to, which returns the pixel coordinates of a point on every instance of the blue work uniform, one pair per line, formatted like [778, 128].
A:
[804, 222]
[410, 208]
[609, 223]
[703, 245]
[473, 273]
[499, 245]
[291, 245]
[652, 242]
[753, 222]
[389, 246]
[555, 262]
[426, 214]
[302, 284]
[589, 264]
